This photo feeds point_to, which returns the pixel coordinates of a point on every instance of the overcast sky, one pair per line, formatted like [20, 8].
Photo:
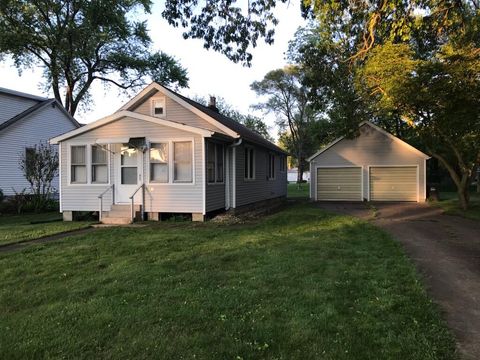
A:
[209, 72]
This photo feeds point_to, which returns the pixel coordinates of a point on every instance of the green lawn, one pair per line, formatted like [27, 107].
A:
[449, 203]
[299, 284]
[14, 228]
[298, 191]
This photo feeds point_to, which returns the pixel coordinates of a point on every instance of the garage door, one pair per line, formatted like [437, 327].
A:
[340, 183]
[393, 183]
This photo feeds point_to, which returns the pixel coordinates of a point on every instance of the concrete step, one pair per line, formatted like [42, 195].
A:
[116, 220]
[122, 207]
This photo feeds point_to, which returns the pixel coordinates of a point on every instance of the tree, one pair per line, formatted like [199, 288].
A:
[438, 96]
[79, 42]
[288, 100]
[250, 121]
[39, 166]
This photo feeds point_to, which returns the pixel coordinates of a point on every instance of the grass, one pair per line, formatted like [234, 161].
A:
[450, 205]
[15, 228]
[296, 191]
[299, 284]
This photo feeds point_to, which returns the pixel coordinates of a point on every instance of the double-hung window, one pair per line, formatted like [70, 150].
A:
[99, 165]
[182, 162]
[215, 160]
[159, 162]
[283, 163]
[78, 170]
[271, 167]
[249, 163]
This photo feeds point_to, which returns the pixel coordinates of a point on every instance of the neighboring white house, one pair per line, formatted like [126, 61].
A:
[25, 121]
[168, 154]
[293, 174]
[375, 166]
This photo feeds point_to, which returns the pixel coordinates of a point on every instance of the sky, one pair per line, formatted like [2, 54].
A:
[210, 73]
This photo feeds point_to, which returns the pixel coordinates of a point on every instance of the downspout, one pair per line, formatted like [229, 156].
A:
[229, 201]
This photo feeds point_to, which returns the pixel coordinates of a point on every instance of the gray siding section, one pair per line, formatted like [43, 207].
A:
[13, 105]
[215, 196]
[158, 197]
[370, 148]
[38, 127]
[176, 112]
[250, 191]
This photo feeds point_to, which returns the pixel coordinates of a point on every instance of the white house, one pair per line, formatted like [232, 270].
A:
[374, 166]
[25, 121]
[164, 153]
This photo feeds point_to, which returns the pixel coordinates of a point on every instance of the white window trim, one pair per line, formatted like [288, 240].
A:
[223, 155]
[268, 167]
[88, 164]
[149, 167]
[254, 164]
[170, 142]
[152, 106]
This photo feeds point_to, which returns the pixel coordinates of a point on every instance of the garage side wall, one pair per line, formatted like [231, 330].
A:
[371, 148]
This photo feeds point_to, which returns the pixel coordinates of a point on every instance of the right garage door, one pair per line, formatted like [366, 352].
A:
[396, 183]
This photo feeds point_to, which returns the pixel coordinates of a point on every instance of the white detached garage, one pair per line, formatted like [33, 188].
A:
[375, 166]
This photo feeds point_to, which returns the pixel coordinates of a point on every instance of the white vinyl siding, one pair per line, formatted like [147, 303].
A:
[159, 197]
[38, 127]
[397, 183]
[339, 183]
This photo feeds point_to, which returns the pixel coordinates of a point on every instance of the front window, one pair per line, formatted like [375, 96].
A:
[182, 162]
[215, 154]
[78, 165]
[271, 167]
[249, 163]
[159, 163]
[99, 165]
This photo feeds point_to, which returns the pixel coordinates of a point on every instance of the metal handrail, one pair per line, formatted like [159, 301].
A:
[100, 199]
[132, 205]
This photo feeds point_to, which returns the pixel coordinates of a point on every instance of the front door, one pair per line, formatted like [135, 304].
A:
[129, 173]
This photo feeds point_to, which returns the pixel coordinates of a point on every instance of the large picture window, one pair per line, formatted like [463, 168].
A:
[99, 165]
[159, 163]
[215, 160]
[182, 162]
[249, 163]
[271, 166]
[78, 170]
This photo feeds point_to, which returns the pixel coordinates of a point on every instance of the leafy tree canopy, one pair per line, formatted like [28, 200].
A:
[78, 42]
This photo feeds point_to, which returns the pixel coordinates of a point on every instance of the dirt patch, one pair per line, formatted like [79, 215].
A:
[446, 251]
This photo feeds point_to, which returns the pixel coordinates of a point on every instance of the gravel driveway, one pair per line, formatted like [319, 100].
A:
[445, 249]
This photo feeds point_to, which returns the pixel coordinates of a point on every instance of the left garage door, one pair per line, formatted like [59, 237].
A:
[339, 183]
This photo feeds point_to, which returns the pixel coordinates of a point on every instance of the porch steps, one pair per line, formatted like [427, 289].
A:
[119, 215]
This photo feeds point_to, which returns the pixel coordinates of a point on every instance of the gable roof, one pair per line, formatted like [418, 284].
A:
[35, 108]
[227, 125]
[122, 114]
[379, 129]
[21, 94]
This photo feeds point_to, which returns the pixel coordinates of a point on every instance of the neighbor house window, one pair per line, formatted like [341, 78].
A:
[78, 164]
[182, 162]
[215, 162]
[29, 160]
[159, 163]
[158, 107]
[249, 163]
[99, 165]
[271, 166]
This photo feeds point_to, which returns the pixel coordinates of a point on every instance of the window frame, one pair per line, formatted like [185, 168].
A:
[215, 163]
[152, 106]
[283, 163]
[92, 164]
[245, 167]
[170, 142]
[271, 166]
[88, 163]
[150, 181]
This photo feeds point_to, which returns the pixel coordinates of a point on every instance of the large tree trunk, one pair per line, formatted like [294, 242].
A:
[300, 172]
[463, 196]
